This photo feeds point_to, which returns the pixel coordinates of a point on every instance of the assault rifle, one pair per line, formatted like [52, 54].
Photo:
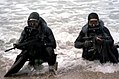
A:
[92, 49]
[22, 44]
[33, 36]
[25, 55]
[92, 39]
[21, 58]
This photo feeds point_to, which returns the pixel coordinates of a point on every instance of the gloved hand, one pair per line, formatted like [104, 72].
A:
[27, 30]
[15, 45]
[31, 31]
[99, 40]
[87, 43]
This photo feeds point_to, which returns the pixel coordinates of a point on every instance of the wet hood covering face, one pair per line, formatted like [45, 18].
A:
[93, 16]
[33, 15]
[85, 28]
[36, 16]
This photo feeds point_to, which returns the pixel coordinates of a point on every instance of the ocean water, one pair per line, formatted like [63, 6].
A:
[65, 18]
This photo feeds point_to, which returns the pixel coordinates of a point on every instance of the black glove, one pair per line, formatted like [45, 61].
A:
[87, 43]
[15, 45]
[31, 31]
[99, 40]
[27, 30]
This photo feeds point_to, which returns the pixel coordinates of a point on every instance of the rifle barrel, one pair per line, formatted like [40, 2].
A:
[9, 49]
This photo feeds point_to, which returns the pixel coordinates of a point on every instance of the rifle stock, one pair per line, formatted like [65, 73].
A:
[33, 36]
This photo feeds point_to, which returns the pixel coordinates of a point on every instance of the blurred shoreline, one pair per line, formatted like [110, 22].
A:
[74, 73]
